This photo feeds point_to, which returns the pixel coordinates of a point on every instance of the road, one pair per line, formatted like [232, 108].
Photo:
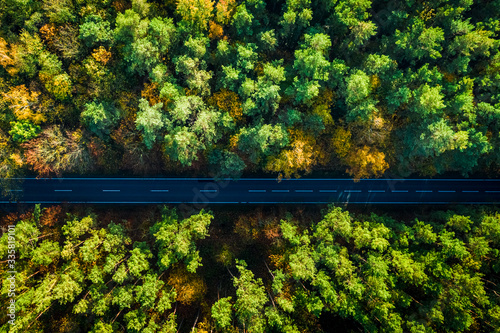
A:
[256, 191]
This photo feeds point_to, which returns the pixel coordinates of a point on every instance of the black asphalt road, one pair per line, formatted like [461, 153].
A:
[256, 191]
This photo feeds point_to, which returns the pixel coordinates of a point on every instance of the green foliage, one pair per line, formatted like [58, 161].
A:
[23, 131]
[175, 239]
[416, 84]
[95, 30]
[99, 117]
[149, 121]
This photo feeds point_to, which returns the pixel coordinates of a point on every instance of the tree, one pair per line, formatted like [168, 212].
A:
[99, 117]
[262, 141]
[175, 239]
[59, 11]
[222, 312]
[23, 131]
[196, 13]
[183, 145]
[250, 299]
[54, 152]
[24, 104]
[95, 30]
[299, 156]
[358, 98]
[150, 121]
[366, 162]
[226, 164]
[419, 42]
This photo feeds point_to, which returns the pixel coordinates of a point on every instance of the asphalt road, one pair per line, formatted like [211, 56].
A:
[255, 191]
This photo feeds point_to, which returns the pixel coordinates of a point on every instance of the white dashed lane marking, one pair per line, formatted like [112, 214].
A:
[280, 191]
[423, 191]
[159, 190]
[376, 191]
[304, 191]
[111, 190]
[208, 191]
[257, 191]
[327, 191]
[63, 190]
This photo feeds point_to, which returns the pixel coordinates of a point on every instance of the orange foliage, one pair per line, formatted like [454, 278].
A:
[233, 141]
[228, 101]
[121, 5]
[257, 227]
[151, 93]
[215, 30]
[101, 55]
[24, 104]
[366, 162]
[8, 57]
[48, 33]
[51, 216]
[189, 286]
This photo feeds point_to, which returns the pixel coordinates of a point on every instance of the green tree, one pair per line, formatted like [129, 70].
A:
[99, 117]
[150, 121]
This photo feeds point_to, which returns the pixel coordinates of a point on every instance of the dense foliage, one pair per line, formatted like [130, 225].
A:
[266, 271]
[285, 86]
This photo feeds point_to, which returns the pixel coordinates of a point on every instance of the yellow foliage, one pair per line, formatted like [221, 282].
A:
[426, 13]
[225, 10]
[151, 93]
[233, 141]
[228, 101]
[127, 103]
[341, 141]
[189, 286]
[323, 104]
[301, 155]
[198, 12]
[8, 57]
[60, 86]
[374, 81]
[203, 327]
[24, 103]
[17, 159]
[215, 30]
[366, 162]
[101, 55]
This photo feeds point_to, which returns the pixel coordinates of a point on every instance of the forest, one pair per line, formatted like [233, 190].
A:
[158, 269]
[234, 87]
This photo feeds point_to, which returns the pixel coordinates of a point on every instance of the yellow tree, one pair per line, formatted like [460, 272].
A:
[196, 12]
[24, 104]
[228, 101]
[366, 162]
[8, 57]
[301, 156]
[341, 141]
[225, 10]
